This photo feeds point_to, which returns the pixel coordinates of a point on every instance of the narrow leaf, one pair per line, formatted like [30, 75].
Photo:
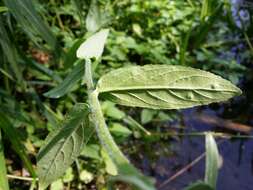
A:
[212, 161]
[30, 20]
[68, 83]
[14, 138]
[3, 174]
[93, 46]
[199, 186]
[10, 51]
[62, 146]
[164, 87]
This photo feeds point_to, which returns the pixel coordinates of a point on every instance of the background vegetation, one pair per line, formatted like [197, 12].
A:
[38, 42]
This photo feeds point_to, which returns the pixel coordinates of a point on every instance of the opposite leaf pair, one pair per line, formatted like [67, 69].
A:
[149, 86]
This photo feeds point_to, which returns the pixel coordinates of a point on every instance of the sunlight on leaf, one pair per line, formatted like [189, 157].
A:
[93, 47]
[164, 87]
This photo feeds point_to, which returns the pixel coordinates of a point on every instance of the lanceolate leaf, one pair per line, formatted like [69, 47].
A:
[93, 47]
[63, 146]
[212, 161]
[165, 87]
[68, 83]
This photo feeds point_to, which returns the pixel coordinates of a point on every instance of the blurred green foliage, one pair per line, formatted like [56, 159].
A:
[38, 41]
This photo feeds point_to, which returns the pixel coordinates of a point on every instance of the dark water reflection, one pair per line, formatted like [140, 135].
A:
[236, 172]
[237, 155]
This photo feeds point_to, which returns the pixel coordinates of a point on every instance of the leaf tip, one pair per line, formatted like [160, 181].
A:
[93, 47]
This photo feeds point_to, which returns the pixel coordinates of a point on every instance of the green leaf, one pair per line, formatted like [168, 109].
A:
[70, 56]
[119, 130]
[91, 151]
[93, 46]
[164, 87]
[3, 9]
[212, 161]
[110, 167]
[93, 19]
[10, 52]
[31, 21]
[3, 174]
[129, 174]
[67, 84]
[14, 138]
[63, 146]
[199, 186]
[110, 110]
[147, 115]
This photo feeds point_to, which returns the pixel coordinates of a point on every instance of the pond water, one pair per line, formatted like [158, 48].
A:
[165, 158]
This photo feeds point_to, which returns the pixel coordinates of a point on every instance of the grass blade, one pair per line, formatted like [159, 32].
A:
[27, 16]
[14, 138]
[3, 174]
[10, 51]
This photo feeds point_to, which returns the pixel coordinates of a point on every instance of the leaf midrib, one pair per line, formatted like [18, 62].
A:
[135, 88]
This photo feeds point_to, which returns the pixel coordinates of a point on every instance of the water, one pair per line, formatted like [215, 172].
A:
[162, 159]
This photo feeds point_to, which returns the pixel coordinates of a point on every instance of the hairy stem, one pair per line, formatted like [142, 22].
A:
[98, 119]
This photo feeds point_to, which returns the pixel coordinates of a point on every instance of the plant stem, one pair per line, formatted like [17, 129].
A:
[88, 75]
[21, 178]
[98, 119]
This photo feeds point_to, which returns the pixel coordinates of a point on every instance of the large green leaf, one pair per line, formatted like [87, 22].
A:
[3, 177]
[63, 146]
[93, 47]
[67, 84]
[212, 161]
[164, 87]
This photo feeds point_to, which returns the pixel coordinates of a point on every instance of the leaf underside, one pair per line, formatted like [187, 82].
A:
[93, 47]
[164, 87]
[62, 146]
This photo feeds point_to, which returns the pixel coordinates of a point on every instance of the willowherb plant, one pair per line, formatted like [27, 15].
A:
[149, 86]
